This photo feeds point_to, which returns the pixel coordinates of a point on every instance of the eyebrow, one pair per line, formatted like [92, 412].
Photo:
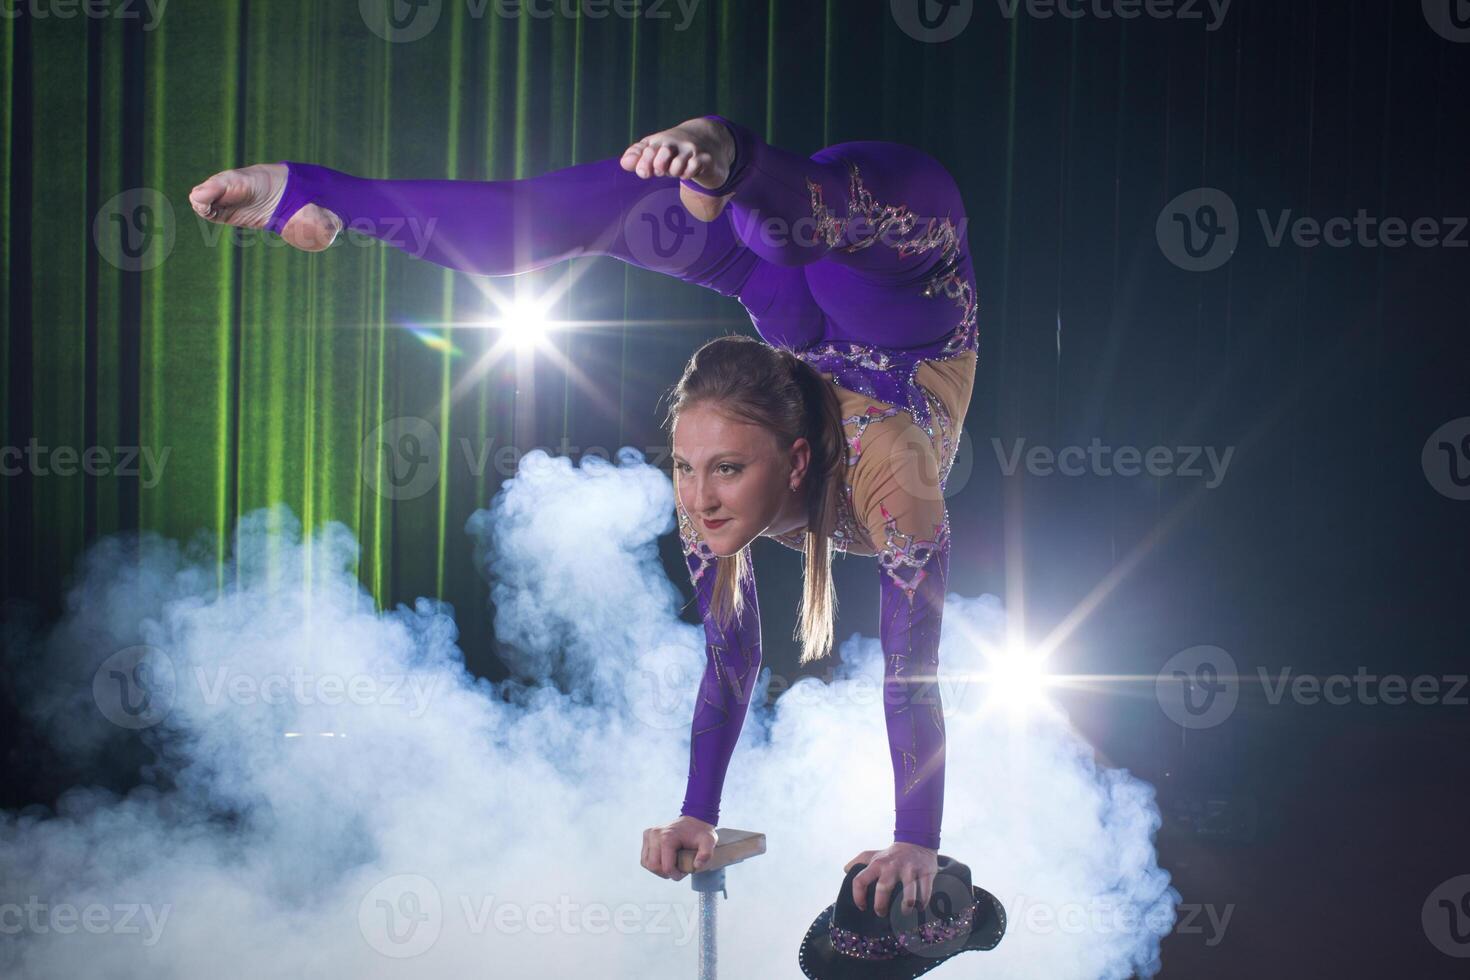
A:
[716, 459]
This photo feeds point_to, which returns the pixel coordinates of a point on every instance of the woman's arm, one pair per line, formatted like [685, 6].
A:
[733, 663]
[897, 491]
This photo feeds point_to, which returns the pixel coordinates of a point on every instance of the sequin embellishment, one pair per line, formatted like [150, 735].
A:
[698, 555]
[904, 556]
[889, 219]
[893, 945]
[855, 442]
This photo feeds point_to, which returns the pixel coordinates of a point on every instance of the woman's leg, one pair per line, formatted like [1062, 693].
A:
[505, 227]
[885, 210]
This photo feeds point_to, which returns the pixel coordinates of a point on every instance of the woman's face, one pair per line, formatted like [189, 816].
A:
[732, 473]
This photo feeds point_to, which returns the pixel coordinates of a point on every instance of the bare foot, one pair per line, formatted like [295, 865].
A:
[247, 197]
[700, 150]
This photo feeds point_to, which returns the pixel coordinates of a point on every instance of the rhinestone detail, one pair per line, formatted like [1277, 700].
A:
[898, 219]
[894, 945]
[905, 556]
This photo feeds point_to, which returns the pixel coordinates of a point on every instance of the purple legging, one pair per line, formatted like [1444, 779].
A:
[794, 271]
[855, 246]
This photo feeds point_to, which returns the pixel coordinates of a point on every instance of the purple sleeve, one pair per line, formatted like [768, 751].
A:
[505, 227]
[733, 660]
[911, 608]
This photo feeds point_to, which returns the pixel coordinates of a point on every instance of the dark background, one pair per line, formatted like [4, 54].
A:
[1326, 548]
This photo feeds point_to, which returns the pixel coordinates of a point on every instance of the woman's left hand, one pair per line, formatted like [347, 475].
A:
[911, 864]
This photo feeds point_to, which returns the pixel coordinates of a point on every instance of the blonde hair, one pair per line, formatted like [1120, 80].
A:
[773, 388]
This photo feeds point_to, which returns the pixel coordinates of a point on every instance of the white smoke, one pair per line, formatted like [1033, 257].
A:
[334, 795]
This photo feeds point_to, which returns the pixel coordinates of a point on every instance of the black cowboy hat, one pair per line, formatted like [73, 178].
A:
[849, 943]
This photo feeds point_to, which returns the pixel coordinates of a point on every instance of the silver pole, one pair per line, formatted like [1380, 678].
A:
[707, 883]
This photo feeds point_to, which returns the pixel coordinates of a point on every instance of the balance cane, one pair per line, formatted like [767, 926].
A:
[732, 847]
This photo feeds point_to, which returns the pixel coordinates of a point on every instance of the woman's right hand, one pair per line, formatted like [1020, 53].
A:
[661, 845]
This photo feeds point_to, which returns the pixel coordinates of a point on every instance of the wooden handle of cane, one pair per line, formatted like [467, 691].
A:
[733, 846]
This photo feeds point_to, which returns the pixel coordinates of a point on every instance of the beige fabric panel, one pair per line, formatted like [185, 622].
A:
[899, 467]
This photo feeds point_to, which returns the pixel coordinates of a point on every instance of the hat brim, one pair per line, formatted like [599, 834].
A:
[820, 961]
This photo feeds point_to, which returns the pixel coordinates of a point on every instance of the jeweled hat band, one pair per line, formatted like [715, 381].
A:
[893, 945]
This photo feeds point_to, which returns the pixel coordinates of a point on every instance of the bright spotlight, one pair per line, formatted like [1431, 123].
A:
[1017, 677]
[524, 323]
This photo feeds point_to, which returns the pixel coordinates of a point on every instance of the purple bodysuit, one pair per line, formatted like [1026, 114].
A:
[855, 258]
